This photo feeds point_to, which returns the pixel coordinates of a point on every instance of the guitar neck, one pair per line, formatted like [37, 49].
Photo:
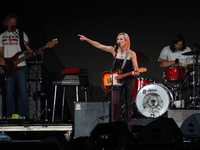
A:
[123, 75]
[17, 61]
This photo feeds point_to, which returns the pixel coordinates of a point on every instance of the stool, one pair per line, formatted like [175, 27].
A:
[68, 80]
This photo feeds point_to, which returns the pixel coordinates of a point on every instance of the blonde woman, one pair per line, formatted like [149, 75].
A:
[127, 83]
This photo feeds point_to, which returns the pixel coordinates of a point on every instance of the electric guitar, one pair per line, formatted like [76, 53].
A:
[11, 63]
[107, 78]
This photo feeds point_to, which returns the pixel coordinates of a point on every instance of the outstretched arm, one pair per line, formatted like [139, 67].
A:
[97, 44]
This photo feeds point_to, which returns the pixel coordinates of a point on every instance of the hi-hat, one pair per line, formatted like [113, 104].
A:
[141, 57]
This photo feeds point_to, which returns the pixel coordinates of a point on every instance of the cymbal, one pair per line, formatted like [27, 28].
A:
[141, 57]
[195, 52]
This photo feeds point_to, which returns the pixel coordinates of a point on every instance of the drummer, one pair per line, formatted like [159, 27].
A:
[172, 54]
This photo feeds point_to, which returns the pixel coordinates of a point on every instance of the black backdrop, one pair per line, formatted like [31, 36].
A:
[150, 25]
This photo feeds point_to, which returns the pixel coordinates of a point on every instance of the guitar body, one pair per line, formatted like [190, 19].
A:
[106, 80]
[11, 63]
[7, 70]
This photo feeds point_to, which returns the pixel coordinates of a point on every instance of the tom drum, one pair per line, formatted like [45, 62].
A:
[174, 73]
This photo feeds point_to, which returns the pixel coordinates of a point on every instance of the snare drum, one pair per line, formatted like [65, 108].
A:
[139, 83]
[174, 73]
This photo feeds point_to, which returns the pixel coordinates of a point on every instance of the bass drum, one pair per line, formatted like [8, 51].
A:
[153, 100]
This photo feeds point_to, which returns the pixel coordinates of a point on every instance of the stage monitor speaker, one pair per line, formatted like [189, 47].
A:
[161, 131]
[112, 136]
[87, 115]
[191, 126]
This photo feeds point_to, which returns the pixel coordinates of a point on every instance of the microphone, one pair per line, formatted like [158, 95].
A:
[118, 44]
[13, 28]
[177, 61]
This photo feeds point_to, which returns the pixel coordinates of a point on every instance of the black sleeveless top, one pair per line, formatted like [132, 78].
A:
[127, 68]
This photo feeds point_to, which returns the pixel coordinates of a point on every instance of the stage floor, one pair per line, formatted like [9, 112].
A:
[32, 133]
[35, 127]
[179, 115]
[14, 125]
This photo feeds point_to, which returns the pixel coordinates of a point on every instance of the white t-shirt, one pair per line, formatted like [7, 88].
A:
[168, 55]
[11, 44]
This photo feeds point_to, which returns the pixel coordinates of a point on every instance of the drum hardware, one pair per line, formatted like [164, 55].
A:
[175, 75]
[195, 97]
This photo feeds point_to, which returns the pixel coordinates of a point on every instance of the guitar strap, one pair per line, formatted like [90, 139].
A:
[21, 39]
[124, 62]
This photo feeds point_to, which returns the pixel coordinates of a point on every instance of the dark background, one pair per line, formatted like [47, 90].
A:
[151, 24]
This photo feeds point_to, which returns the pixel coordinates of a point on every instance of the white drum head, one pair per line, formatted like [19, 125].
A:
[153, 100]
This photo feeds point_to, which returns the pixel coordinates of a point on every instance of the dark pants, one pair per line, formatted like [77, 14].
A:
[19, 77]
[128, 85]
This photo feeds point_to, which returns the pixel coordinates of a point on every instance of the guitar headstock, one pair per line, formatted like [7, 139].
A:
[52, 43]
[142, 69]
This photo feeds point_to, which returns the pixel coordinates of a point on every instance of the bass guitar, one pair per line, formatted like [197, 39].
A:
[11, 63]
[107, 78]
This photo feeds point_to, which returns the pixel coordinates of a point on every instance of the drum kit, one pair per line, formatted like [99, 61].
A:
[153, 99]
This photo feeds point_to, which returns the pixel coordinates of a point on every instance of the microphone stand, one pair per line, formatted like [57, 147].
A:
[179, 80]
[36, 91]
[112, 95]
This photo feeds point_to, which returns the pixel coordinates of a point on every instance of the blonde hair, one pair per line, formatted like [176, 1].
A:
[8, 17]
[126, 38]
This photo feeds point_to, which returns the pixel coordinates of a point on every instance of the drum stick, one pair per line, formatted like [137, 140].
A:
[187, 64]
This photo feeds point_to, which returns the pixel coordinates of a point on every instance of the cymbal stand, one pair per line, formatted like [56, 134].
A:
[195, 98]
[198, 82]
[192, 98]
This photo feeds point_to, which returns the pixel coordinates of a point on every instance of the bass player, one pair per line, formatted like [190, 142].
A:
[9, 46]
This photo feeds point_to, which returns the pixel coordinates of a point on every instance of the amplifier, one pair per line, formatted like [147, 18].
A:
[87, 115]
